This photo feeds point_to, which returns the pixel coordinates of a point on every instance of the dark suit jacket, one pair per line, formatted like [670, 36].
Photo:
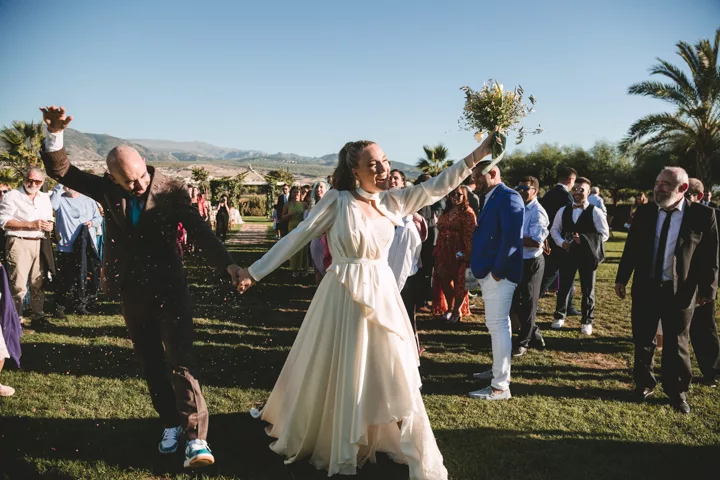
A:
[553, 200]
[696, 255]
[144, 256]
[279, 205]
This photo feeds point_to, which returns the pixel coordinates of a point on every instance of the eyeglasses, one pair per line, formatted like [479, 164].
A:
[524, 188]
[3, 192]
[34, 182]
[578, 189]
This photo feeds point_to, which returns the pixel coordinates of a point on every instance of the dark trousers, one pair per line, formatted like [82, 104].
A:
[653, 303]
[704, 339]
[282, 226]
[552, 271]
[570, 264]
[525, 301]
[412, 299]
[92, 282]
[71, 284]
[162, 333]
[424, 274]
[221, 227]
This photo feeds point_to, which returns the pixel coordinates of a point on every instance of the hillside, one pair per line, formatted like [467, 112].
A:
[89, 150]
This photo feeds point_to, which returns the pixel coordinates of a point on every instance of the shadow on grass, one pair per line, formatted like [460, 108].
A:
[242, 451]
[506, 453]
[240, 366]
[238, 441]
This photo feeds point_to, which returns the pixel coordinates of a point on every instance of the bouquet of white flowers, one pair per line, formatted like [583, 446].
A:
[492, 107]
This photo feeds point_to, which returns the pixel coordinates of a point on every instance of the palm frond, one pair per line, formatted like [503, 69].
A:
[429, 152]
[675, 74]
[441, 152]
[687, 53]
[663, 91]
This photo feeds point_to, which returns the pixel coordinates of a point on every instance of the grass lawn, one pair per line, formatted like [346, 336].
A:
[82, 409]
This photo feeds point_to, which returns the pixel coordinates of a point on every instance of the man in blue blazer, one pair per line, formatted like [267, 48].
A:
[496, 260]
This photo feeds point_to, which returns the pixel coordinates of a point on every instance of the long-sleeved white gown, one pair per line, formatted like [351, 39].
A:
[352, 373]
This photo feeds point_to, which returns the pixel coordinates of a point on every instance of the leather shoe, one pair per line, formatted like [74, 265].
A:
[709, 382]
[682, 406]
[642, 394]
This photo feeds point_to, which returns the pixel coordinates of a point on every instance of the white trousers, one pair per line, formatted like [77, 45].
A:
[497, 297]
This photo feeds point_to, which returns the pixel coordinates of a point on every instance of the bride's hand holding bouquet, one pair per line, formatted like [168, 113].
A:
[492, 110]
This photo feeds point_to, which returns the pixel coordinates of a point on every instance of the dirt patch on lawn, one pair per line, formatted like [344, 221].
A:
[599, 361]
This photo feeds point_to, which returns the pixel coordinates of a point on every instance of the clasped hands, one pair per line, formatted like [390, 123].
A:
[576, 239]
[241, 278]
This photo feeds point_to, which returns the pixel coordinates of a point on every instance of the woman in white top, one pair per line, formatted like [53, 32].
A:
[350, 386]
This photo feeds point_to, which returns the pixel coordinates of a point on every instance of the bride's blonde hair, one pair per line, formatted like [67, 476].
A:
[343, 177]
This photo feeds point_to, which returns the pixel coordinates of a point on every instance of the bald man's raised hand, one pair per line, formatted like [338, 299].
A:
[55, 118]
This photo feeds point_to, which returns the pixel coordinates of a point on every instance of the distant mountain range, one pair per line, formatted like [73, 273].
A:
[93, 148]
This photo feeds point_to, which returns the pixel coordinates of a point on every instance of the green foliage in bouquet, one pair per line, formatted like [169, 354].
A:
[491, 107]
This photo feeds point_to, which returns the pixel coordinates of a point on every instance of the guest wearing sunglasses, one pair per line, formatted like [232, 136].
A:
[580, 230]
[525, 299]
[26, 215]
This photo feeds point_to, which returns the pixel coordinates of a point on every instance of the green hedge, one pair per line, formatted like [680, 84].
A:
[253, 205]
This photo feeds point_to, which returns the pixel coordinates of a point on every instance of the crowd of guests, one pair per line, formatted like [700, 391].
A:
[55, 240]
[292, 207]
[520, 246]
[529, 245]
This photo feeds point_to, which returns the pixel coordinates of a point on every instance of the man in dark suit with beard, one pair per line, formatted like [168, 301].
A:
[672, 250]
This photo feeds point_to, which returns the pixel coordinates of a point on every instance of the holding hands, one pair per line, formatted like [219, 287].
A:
[245, 281]
[240, 278]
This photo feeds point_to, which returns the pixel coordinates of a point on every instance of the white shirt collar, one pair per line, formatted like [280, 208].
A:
[532, 203]
[564, 186]
[680, 206]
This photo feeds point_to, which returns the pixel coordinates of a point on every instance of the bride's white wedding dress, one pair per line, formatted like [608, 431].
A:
[350, 386]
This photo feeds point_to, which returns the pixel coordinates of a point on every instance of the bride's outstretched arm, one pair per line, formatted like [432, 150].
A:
[410, 200]
[318, 222]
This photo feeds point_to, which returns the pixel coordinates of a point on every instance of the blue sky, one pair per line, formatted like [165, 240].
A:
[306, 77]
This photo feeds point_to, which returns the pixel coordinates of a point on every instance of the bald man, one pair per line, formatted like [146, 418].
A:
[142, 265]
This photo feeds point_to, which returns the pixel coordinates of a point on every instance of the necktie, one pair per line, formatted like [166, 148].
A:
[577, 206]
[481, 202]
[135, 210]
[660, 256]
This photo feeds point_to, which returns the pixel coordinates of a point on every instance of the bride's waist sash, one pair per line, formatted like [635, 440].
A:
[358, 261]
[369, 287]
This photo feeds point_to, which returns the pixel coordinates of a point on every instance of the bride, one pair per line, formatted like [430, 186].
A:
[350, 386]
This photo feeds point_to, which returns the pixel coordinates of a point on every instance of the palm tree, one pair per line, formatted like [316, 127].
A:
[435, 161]
[692, 131]
[22, 144]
